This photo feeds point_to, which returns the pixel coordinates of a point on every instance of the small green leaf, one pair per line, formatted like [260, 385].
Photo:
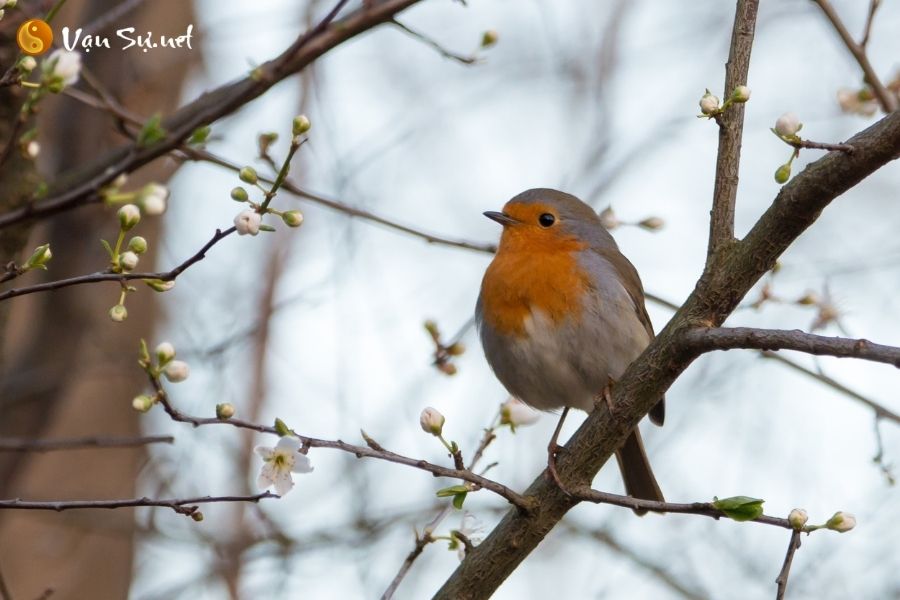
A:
[200, 135]
[740, 508]
[452, 491]
[458, 500]
[109, 250]
[145, 354]
[152, 131]
[454, 448]
[266, 228]
[281, 428]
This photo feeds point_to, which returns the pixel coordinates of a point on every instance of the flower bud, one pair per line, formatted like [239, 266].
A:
[652, 223]
[118, 313]
[608, 219]
[456, 349]
[27, 64]
[300, 125]
[841, 522]
[709, 104]
[128, 261]
[39, 258]
[788, 125]
[489, 38]
[197, 516]
[783, 173]
[808, 299]
[129, 216]
[224, 411]
[247, 222]
[798, 518]
[248, 175]
[165, 352]
[32, 149]
[177, 371]
[159, 285]
[142, 403]
[239, 194]
[61, 68]
[137, 244]
[152, 198]
[431, 421]
[740, 94]
[516, 413]
[11, 3]
[292, 218]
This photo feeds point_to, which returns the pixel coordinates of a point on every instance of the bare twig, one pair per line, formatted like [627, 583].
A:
[705, 339]
[887, 100]
[782, 579]
[731, 129]
[870, 18]
[184, 506]
[466, 60]
[421, 541]
[820, 145]
[120, 277]
[27, 445]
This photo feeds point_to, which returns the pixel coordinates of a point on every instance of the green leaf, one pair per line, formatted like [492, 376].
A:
[281, 428]
[109, 249]
[458, 500]
[200, 135]
[266, 228]
[740, 508]
[452, 491]
[152, 131]
[145, 354]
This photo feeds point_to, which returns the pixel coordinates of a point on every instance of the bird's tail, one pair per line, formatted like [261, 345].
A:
[636, 471]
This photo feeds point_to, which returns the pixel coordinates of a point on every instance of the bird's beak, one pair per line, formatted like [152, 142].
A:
[500, 217]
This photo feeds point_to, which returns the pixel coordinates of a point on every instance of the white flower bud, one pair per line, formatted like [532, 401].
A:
[516, 413]
[32, 149]
[608, 218]
[740, 94]
[709, 103]
[165, 352]
[652, 223]
[152, 199]
[142, 403]
[27, 64]
[431, 421]
[300, 125]
[787, 125]
[177, 371]
[129, 216]
[247, 222]
[224, 410]
[118, 313]
[841, 522]
[292, 218]
[39, 258]
[798, 518]
[62, 67]
[128, 261]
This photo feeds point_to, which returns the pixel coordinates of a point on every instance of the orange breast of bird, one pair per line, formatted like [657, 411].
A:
[533, 272]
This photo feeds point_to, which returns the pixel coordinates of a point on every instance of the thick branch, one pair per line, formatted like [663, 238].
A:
[81, 188]
[28, 445]
[716, 295]
[731, 128]
[705, 339]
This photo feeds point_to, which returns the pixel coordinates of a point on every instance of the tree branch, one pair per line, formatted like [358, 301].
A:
[186, 506]
[887, 100]
[706, 339]
[782, 579]
[731, 128]
[82, 186]
[718, 292]
[28, 445]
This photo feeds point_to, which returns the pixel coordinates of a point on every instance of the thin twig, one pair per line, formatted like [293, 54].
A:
[870, 18]
[120, 277]
[28, 445]
[184, 506]
[421, 541]
[466, 60]
[782, 579]
[731, 130]
[820, 145]
[705, 339]
[887, 100]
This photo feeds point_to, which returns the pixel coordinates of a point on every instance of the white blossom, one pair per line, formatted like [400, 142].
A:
[473, 529]
[709, 103]
[278, 464]
[798, 518]
[129, 216]
[152, 198]
[32, 149]
[841, 522]
[431, 421]
[516, 413]
[63, 65]
[128, 261]
[247, 222]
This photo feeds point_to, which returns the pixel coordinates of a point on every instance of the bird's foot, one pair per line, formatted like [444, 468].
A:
[552, 450]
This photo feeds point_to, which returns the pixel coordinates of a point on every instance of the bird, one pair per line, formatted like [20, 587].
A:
[561, 316]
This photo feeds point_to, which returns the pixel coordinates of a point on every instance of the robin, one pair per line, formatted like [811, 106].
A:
[561, 316]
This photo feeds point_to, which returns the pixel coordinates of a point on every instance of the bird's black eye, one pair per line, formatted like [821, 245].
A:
[546, 220]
